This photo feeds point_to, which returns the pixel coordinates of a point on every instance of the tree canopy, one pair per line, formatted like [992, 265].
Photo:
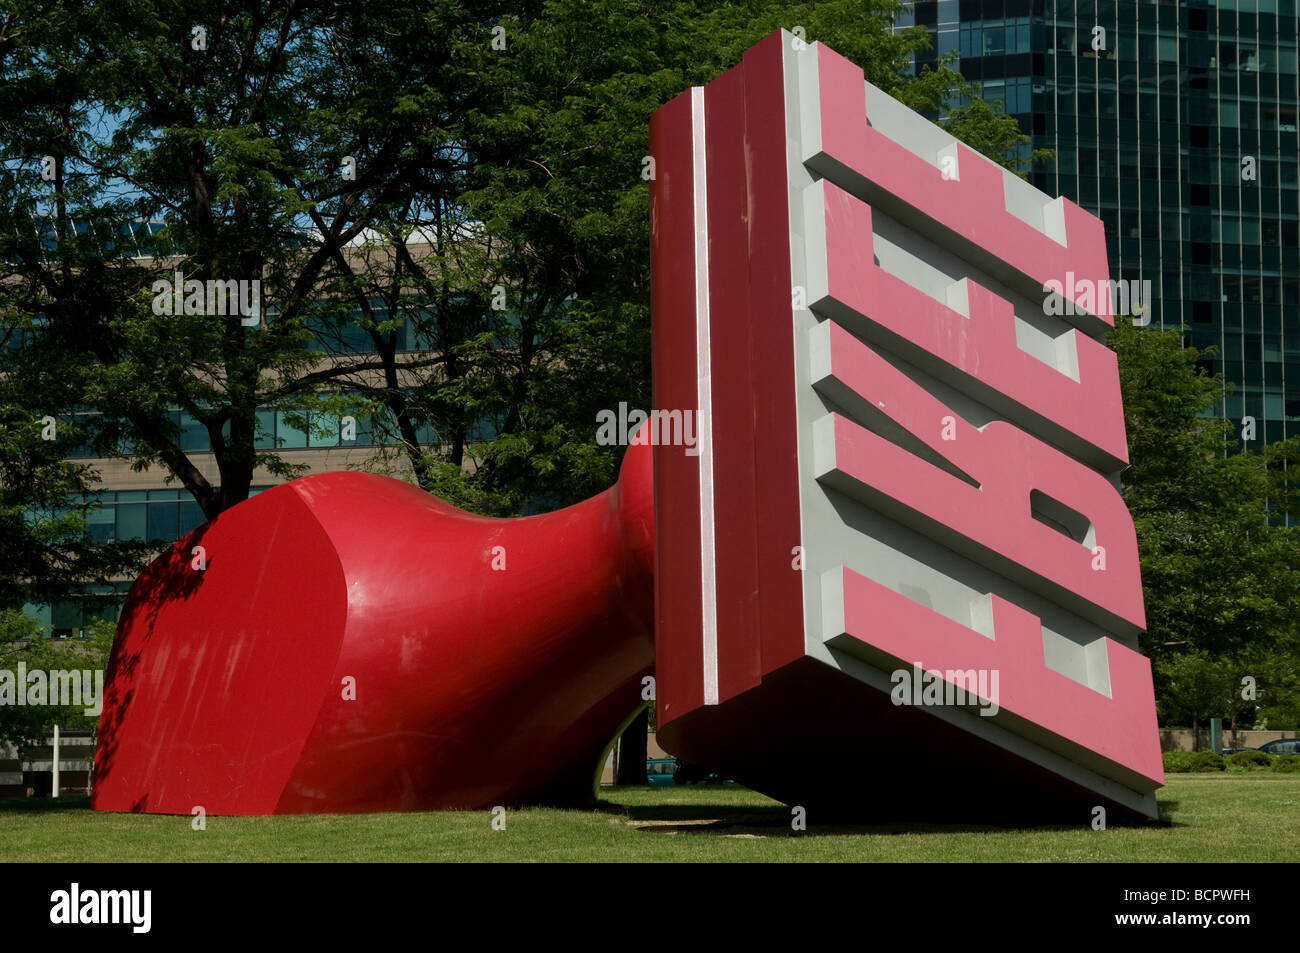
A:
[443, 204]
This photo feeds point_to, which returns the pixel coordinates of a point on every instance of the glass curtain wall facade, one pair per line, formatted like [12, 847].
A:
[1176, 124]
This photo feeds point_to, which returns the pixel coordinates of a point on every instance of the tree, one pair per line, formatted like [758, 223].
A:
[303, 147]
[987, 129]
[221, 123]
[1220, 573]
[632, 747]
[44, 498]
[22, 641]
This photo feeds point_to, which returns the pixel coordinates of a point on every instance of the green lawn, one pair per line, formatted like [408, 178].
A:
[1233, 817]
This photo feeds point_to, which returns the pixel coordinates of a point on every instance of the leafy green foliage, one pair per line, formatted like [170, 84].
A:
[44, 501]
[1221, 574]
[1250, 759]
[987, 129]
[23, 641]
[1182, 762]
[507, 139]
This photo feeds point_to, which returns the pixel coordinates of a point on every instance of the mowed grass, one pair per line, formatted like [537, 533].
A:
[1214, 818]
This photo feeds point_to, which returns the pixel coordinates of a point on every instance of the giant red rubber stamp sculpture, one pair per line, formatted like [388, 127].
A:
[894, 578]
[354, 644]
[906, 500]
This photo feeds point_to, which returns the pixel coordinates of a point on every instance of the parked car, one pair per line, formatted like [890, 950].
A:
[661, 771]
[1281, 746]
[664, 771]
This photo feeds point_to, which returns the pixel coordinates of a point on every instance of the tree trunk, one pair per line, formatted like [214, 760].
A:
[632, 751]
